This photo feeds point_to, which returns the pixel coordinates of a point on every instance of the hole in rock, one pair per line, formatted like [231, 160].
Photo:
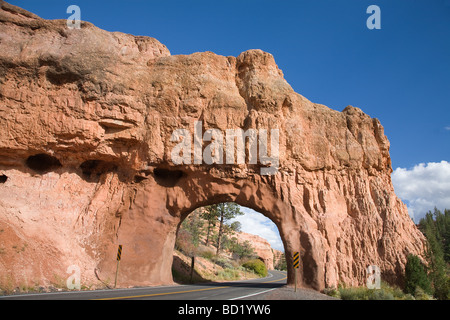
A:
[3, 178]
[226, 241]
[43, 163]
[95, 168]
[167, 178]
[138, 179]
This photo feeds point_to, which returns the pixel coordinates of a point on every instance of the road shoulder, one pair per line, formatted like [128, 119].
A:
[286, 293]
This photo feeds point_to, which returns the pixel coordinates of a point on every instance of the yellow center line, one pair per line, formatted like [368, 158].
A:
[158, 294]
[168, 293]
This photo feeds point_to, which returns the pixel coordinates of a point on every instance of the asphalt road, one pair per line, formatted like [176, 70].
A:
[205, 291]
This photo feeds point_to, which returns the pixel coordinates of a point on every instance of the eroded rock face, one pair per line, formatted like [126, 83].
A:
[261, 247]
[86, 121]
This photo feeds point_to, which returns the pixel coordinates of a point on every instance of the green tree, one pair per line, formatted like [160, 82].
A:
[416, 276]
[193, 224]
[235, 226]
[243, 250]
[227, 211]
[435, 227]
[437, 265]
[281, 264]
[210, 214]
[446, 236]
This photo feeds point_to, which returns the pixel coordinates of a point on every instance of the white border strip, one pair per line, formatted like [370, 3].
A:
[253, 294]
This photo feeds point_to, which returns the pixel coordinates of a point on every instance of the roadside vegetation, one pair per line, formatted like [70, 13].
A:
[436, 228]
[386, 292]
[424, 280]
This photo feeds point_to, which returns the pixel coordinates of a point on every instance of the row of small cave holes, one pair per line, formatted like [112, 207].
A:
[43, 163]
[40, 163]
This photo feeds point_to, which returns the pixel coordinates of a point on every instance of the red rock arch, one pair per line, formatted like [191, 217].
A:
[105, 105]
[148, 229]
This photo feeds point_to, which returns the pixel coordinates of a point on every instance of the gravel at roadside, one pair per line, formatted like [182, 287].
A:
[286, 293]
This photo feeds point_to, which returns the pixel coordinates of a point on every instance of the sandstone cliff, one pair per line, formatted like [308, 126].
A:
[262, 248]
[86, 124]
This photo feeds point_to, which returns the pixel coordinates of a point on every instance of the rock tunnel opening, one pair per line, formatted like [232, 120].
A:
[154, 257]
[213, 242]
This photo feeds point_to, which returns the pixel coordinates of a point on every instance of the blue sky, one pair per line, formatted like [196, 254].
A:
[399, 74]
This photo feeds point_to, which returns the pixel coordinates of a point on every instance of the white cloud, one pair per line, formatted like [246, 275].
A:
[254, 222]
[447, 128]
[423, 187]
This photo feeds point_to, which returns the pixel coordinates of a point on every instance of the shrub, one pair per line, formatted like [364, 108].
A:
[244, 250]
[362, 293]
[257, 266]
[223, 262]
[229, 274]
[332, 292]
[421, 294]
[207, 253]
[386, 292]
[354, 293]
[380, 295]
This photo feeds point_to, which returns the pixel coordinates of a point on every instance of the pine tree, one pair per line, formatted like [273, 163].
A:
[416, 276]
[435, 226]
[210, 214]
[193, 224]
[227, 211]
[446, 236]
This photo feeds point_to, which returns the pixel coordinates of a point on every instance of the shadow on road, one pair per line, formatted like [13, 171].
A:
[268, 282]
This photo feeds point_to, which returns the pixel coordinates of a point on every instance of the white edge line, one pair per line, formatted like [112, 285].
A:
[108, 290]
[84, 291]
[253, 294]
